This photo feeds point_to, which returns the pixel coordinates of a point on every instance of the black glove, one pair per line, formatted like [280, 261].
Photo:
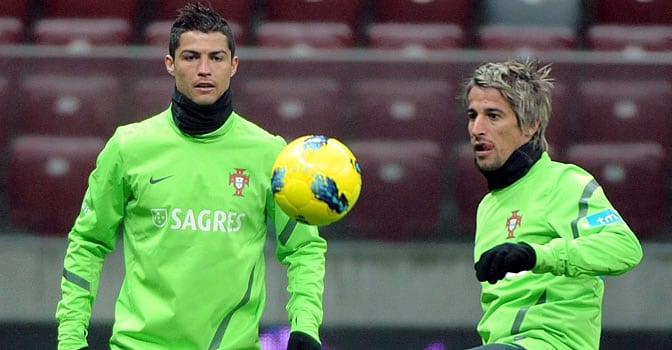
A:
[302, 341]
[508, 257]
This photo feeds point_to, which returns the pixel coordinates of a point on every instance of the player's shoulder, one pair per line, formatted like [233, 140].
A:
[260, 134]
[564, 173]
[143, 129]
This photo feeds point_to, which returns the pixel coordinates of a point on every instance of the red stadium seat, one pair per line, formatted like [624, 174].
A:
[47, 180]
[402, 189]
[632, 11]
[343, 11]
[11, 30]
[624, 111]
[151, 95]
[66, 105]
[460, 12]
[403, 109]
[527, 37]
[82, 32]
[304, 35]
[15, 8]
[415, 36]
[124, 9]
[470, 187]
[559, 128]
[157, 33]
[630, 38]
[294, 107]
[634, 178]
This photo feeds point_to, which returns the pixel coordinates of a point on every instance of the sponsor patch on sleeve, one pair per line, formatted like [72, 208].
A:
[604, 217]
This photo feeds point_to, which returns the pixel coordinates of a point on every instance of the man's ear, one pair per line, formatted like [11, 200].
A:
[170, 64]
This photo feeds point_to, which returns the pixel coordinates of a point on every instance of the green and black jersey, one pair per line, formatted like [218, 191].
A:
[578, 237]
[194, 214]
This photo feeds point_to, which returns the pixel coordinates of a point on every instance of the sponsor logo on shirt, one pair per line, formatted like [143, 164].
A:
[512, 223]
[604, 217]
[239, 180]
[205, 220]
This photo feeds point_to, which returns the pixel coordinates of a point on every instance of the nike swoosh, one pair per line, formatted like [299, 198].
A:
[152, 180]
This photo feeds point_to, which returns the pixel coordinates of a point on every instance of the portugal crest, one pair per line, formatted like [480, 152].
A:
[239, 180]
[512, 223]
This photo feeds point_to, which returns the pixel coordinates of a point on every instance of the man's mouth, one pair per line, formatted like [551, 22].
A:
[483, 147]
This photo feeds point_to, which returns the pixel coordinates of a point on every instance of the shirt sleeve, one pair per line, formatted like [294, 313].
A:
[593, 238]
[302, 250]
[93, 236]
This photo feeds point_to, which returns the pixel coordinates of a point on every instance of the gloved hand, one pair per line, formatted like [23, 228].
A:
[495, 262]
[302, 341]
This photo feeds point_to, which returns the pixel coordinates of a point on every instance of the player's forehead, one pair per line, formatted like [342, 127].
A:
[203, 43]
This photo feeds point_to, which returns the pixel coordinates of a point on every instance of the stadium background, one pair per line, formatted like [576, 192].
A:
[382, 75]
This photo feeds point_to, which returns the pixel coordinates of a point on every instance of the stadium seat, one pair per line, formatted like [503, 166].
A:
[294, 107]
[632, 12]
[630, 38]
[402, 189]
[11, 30]
[151, 95]
[403, 109]
[157, 33]
[526, 37]
[47, 178]
[66, 105]
[15, 8]
[470, 187]
[348, 12]
[123, 9]
[82, 33]
[460, 12]
[624, 111]
[562, 118]
[415, 36]
[634, 178]
[304, 35]
[566, 13]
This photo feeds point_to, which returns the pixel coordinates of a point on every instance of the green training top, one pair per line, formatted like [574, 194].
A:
[578, 237]
[194, 214]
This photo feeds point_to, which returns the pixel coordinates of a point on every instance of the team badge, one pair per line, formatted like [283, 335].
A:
[159, 217]
[239, 180]
[512, 223]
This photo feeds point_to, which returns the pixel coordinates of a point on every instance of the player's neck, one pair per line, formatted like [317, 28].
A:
[195, 119]
[518, 164]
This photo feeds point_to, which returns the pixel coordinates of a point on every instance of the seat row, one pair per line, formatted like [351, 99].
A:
[406, 24]
[412, 189]
[597, 110]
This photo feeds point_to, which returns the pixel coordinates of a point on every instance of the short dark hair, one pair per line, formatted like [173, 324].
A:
[198, 17]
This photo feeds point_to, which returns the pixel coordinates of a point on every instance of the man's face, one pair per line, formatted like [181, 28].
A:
[202, 66]
[493, 128]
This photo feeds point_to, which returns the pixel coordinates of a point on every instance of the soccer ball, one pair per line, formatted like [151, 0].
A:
[316, 180]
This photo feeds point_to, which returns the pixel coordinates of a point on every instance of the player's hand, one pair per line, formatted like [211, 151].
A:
[508, 257]
[302, 341]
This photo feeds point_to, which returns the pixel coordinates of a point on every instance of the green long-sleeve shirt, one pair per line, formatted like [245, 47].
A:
[578, 237]
[193, 213]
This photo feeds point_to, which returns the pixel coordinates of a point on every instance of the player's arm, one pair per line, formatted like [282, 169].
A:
[92, 237]
[302, 250]
[595, 241]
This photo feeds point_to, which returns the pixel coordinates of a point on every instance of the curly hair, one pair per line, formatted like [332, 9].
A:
[198, 17]
[525, 85]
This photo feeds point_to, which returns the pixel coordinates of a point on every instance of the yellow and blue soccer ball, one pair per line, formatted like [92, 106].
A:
[316, 179]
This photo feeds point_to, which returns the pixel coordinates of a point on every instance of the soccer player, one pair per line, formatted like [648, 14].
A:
[545, 232]
[190, 190]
